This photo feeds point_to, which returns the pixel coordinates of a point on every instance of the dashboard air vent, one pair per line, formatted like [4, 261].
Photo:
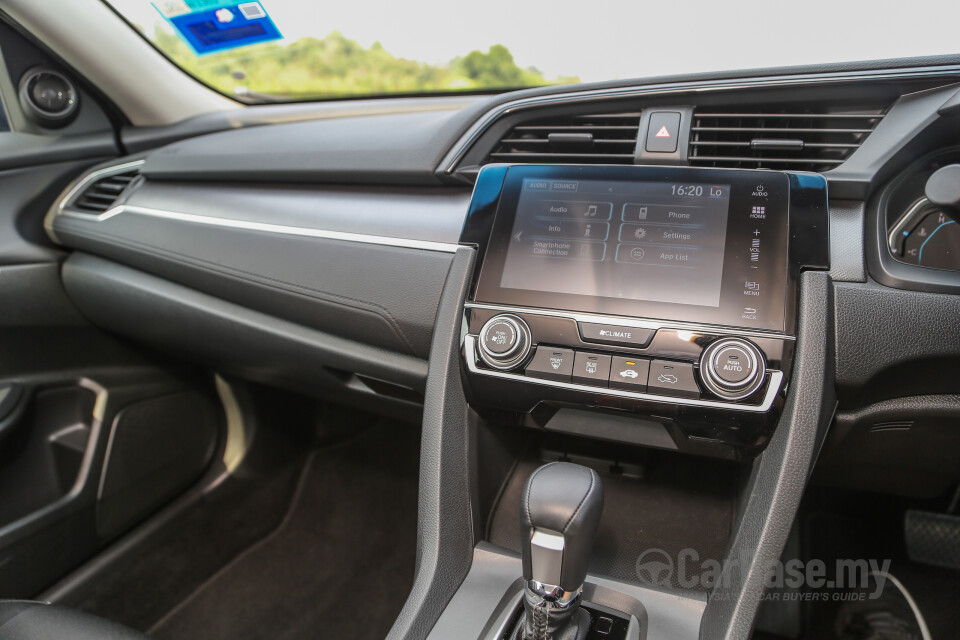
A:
[776, 138]
[103, 193]
[608, 138]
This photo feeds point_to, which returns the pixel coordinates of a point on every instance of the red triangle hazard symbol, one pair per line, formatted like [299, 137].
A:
[663, 133]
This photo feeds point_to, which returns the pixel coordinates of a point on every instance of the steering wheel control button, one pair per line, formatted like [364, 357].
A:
[629, 374]
[616, 335]
[551, 364]
[504, 342]
[732, 368]
[591, 368]
[673, 379]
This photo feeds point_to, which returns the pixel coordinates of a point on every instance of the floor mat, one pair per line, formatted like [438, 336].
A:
[677, 506]
[874, 530]
[339, 566]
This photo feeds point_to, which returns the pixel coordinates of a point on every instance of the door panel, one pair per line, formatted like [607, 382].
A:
[95, 434]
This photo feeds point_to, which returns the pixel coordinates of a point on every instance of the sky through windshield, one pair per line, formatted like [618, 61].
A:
[415, 46]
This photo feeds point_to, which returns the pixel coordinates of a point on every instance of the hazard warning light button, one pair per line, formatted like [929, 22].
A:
[663, 132]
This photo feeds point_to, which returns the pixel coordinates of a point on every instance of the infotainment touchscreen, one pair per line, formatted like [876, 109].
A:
[664, 243]
[692, 245]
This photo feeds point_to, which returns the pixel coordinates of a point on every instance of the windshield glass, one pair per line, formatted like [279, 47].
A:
[268, 50]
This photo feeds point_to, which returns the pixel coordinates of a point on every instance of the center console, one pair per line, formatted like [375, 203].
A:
[624, 316]
[669, 293]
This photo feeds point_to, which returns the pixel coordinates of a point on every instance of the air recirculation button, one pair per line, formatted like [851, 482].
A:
[732, 368]
[504, 342]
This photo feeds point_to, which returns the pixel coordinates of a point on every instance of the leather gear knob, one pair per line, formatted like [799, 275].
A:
[559, 512]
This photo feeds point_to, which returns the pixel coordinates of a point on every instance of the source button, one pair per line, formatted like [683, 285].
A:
[615, 334]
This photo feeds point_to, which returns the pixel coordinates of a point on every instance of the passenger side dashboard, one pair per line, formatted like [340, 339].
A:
[334, 237]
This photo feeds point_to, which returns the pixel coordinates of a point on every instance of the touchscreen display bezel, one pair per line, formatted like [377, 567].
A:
[768, 189]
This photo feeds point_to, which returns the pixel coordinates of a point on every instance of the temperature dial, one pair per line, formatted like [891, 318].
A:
[732, 368]
[504, 342]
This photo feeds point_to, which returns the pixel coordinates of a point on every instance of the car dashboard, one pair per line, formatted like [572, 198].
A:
[731, 266]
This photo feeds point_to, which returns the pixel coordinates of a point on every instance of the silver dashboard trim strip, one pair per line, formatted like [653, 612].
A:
[641, 323]
[773, 388]
[466, 141]
[264, 227]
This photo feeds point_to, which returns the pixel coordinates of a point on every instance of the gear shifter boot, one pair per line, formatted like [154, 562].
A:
[544, 623]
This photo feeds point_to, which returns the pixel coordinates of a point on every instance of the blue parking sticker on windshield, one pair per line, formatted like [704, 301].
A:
[226, 26]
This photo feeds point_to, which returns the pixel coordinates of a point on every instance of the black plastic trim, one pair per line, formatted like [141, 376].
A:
[847, 227]
[355, 290]
[780, 475]
[445, 532]
[893, 343]
[399, 148]
[226, 335]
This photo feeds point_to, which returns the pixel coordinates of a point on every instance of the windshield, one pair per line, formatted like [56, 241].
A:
[269, 50]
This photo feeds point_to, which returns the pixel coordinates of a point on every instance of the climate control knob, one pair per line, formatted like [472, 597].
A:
[504, 342]
[732, 368]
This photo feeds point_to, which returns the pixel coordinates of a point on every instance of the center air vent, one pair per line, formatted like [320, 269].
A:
[776, 138]
[609, 138]
[101, 194]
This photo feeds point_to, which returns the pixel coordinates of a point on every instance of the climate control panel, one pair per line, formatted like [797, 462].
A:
[602, 358]
[653, 305]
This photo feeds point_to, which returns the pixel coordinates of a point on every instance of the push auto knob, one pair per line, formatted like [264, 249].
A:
[732, 368]
[504, 342]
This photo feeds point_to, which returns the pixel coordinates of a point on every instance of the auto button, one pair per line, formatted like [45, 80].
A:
[732, 368]
[734, 365]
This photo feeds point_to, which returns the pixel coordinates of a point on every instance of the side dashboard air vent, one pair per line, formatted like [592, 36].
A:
[102, 193]
[608, 138]
[814, 139]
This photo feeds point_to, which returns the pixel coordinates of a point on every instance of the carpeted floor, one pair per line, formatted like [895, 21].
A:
[873, 529]
[339, 566]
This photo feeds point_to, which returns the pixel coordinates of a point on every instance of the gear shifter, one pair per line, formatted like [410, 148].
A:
[559, 511]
